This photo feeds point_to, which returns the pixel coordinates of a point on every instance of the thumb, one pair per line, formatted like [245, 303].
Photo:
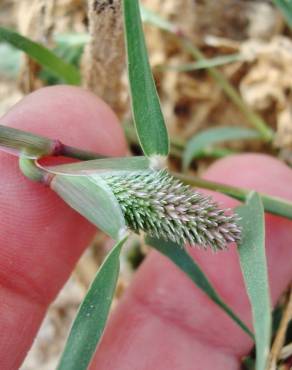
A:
[41, 237]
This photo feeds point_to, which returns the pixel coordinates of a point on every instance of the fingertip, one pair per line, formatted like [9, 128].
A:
[78, 118]
[41, 237]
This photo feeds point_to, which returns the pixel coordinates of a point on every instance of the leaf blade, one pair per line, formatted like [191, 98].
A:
[91, 318]
[101, 165]
[254, 268]
[195, 147]
[148, 118]
[183, 260]
[42, 55]
[93, 199]
[206, 63]
[152, 18]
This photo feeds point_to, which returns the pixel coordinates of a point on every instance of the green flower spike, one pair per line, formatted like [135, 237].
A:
[161, 206]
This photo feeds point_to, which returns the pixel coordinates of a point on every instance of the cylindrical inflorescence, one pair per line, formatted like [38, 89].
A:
[163, 207]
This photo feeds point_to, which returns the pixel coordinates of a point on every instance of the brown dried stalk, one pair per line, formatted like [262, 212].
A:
[281, 333]
[103, 61]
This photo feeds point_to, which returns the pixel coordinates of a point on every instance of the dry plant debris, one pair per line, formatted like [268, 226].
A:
[40, 20]
[278, 351]
[267, 86]
[191, 101]
[104, 59]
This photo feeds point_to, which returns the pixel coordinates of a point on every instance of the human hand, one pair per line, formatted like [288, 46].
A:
[163, 321]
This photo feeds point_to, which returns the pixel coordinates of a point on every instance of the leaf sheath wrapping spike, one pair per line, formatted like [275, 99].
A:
[93, 199]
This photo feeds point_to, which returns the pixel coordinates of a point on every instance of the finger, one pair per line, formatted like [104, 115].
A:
[41, 237]
[165, 322]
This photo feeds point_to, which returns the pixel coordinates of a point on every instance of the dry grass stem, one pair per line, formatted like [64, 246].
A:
[277, 346]
[104, 57]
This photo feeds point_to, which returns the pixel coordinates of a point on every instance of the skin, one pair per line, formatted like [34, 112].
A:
[163, 320]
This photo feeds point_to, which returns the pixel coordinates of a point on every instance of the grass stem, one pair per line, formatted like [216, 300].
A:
[274, 205]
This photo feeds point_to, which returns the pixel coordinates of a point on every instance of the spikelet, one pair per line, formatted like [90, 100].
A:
[163, 207]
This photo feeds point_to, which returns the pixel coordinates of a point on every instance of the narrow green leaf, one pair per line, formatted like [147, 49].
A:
[42, 55]
[24, 144]
[93, 199]
[183, 260]
[146, 108]
[91, 319]
[285, 7]
[152, 18]
[254, 268]
[203, 140]
[74, 39]
[216, 152]
[96, 166]
[203, 64]
[69, 47]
